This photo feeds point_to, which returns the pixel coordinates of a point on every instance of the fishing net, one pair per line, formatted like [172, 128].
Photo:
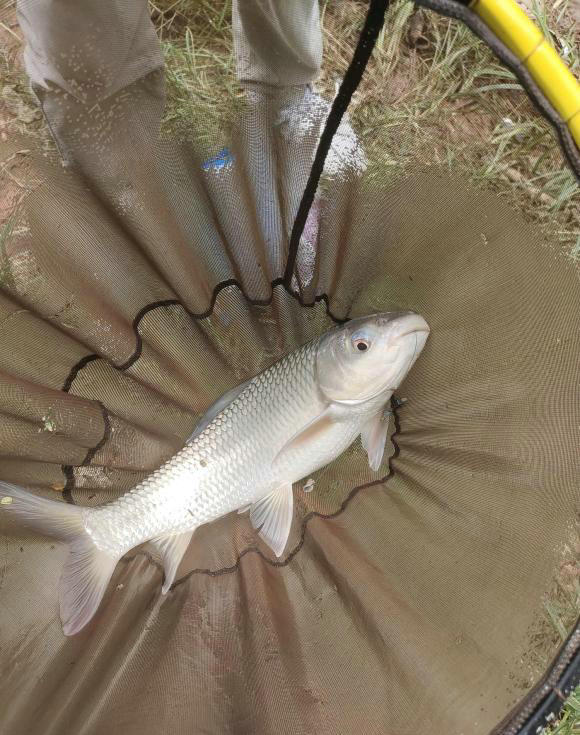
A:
[146, 273]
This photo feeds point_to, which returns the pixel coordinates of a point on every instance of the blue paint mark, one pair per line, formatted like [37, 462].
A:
[222, 159]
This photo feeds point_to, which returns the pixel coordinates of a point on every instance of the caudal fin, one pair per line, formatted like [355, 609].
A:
[87, 571]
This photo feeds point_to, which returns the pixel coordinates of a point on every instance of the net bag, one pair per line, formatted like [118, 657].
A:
[145, 274]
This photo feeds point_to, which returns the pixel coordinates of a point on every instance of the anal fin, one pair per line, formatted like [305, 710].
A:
[272, 516]
[172, 548]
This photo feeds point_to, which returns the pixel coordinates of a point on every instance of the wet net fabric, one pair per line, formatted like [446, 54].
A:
[144, 278]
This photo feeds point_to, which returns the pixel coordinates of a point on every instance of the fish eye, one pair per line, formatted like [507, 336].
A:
[360, 343]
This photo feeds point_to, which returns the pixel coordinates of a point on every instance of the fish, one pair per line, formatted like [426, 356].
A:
[252, 445]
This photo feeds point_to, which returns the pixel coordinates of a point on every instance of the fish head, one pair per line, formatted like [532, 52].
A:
[369, 356]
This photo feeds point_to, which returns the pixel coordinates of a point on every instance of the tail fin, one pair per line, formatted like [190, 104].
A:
[87, 571]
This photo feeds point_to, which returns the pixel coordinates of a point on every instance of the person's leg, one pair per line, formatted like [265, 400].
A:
[81, 55]
[278, 46]
[96, 67]
[277, 42]
[278, 51]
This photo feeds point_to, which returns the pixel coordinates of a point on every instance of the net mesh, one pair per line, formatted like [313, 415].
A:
[145, 278]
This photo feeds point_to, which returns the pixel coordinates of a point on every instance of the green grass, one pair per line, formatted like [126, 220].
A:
[560, 611]
[568, 723]
[203, 93]
[449, 101]
[432, 93]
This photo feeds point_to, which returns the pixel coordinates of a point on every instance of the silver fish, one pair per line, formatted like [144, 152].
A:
[252, 445]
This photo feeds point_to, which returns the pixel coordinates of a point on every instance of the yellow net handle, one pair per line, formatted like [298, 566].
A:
[513, 27]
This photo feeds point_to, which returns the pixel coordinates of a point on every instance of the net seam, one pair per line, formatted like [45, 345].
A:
[67, 469]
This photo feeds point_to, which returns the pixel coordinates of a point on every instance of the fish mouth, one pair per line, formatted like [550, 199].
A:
[413, 331]
[412, 324]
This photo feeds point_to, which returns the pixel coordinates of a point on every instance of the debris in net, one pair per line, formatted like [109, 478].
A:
[507, 122]
[223, 159]
[93, 477]
[20, 109]
[47, 424]
[346, 152]
[415, 36]
[398, 402]
[309, 486]
[309, 115]
[6, 500]
[305, 263]
[306, 257]
[127, 199]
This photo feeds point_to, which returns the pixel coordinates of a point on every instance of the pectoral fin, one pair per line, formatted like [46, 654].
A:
[308, 433]
[272, 515]
[172, 549]
[374, 437]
